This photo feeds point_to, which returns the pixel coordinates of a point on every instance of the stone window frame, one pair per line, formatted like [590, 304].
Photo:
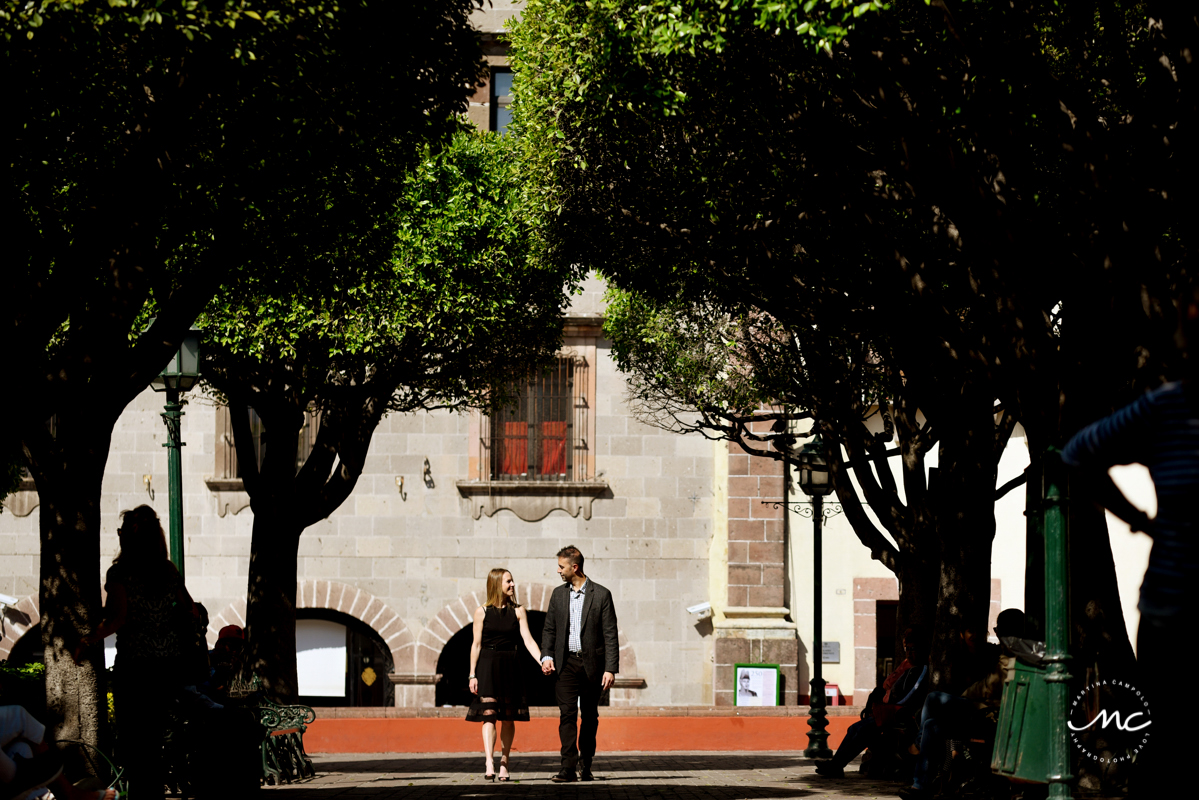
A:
[228, 488]
[532, 500]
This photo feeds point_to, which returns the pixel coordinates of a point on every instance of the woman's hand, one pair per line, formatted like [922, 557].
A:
[80, 650]
[474, 685]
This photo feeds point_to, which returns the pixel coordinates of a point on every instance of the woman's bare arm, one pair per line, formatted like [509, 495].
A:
[115, 611]
[526, 636]
[476, 647]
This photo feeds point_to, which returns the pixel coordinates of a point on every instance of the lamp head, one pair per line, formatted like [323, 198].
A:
[182, 372]
[814, 477]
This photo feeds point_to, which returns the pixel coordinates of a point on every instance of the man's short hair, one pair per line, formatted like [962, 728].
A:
[1010, 622]
[573, 555]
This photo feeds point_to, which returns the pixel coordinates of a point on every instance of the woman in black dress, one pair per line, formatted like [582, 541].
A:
[500, 626]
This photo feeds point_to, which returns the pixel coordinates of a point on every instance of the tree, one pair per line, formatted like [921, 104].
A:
[952, 188]
[764, 203]
[146, 145]
[439, 312]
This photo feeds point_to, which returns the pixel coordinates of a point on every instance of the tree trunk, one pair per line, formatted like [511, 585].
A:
[964, 502]
[271, 602]
[918, 589]
[69, 479]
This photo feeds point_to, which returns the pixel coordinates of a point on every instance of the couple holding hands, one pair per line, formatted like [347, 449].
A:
[579, 642]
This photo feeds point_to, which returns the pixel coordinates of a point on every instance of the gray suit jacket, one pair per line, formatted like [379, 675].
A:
[601, 651]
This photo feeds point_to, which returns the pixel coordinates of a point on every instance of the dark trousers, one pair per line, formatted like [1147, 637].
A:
[143, 699]
[577, 694]
[862, 734]
[1160, 662]
[944, 717]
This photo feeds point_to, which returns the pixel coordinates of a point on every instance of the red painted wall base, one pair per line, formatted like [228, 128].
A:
[540, 735]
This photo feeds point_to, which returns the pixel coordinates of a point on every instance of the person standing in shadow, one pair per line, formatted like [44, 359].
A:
[1160, 431]
[580, 639]
[152, 614]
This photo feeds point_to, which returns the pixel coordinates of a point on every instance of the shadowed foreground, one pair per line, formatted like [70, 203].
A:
[731, 776]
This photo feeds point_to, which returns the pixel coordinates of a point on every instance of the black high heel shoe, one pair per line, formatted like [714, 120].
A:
[504, 764]
[488, 776]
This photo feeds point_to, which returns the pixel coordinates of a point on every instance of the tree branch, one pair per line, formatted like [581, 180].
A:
[1019, 480]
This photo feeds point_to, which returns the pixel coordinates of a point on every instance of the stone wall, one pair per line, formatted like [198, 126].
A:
[420, 552]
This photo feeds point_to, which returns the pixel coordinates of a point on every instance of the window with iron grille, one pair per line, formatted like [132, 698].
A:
[227, 466]
[539, 436]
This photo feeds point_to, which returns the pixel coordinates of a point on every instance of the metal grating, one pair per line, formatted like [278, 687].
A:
[227, 455]
[540, 437]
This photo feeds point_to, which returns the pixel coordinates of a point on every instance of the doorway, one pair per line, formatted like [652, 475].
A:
[341, 661]
[454, 667]
[885, 613]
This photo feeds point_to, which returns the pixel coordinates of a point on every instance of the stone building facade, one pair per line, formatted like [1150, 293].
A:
[408, 553]
[667, 522]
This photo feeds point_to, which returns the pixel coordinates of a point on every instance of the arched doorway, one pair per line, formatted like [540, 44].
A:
[341, 661]
[454, 664]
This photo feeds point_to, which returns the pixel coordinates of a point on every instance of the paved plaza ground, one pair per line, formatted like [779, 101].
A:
[631, 776]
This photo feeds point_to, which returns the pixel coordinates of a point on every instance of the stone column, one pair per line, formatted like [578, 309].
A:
[754, 628]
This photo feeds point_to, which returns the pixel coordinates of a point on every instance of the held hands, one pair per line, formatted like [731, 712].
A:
[547, 667]
[81, 649]
[607, 681]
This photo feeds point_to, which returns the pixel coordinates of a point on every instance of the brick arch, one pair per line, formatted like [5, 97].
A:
[335, 596]
[13, 630]
[460, 613]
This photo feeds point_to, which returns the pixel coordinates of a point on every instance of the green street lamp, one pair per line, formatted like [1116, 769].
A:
[179, 375]
[816, 483]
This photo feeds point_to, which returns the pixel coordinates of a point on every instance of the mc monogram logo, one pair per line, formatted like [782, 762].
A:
[1110, 721]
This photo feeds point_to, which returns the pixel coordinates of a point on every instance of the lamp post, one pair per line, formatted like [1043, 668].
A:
[179, 375]
[814, 482]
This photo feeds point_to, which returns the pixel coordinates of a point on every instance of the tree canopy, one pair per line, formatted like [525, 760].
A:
[971, 210]
[438, 306]
[147, 148]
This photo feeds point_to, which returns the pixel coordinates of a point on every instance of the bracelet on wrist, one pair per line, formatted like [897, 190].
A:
[471, 678]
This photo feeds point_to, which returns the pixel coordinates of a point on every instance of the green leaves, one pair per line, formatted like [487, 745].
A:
[436, 304]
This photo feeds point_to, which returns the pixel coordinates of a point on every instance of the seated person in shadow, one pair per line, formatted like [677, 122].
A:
[197, 671]
[946, 717]
[225, 660]
[889, 705]
[28, 761]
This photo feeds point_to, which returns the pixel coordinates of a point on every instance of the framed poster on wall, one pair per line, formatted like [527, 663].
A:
[757, 685]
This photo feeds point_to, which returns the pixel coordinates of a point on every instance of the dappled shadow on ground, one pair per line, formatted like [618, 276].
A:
[545, 789]
[620, 776]
[604, 763]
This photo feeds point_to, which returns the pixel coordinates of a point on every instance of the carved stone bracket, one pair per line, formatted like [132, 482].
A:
[230, 494]
[531, 500]
[24, 500]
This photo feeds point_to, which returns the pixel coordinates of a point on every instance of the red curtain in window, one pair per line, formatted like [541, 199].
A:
[553, 448]
[514, 452]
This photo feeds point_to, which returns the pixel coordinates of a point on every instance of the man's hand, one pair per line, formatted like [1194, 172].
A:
[607, 681]
[547, 666]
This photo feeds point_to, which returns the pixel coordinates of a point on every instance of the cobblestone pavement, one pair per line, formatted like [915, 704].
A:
[621, 776]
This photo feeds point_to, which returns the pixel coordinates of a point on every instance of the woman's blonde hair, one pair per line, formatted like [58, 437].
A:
[495, 589]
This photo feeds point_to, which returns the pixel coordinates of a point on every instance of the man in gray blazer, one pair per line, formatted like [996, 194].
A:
[580, 638]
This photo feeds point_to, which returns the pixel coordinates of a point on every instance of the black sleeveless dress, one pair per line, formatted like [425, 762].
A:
[501, 691]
